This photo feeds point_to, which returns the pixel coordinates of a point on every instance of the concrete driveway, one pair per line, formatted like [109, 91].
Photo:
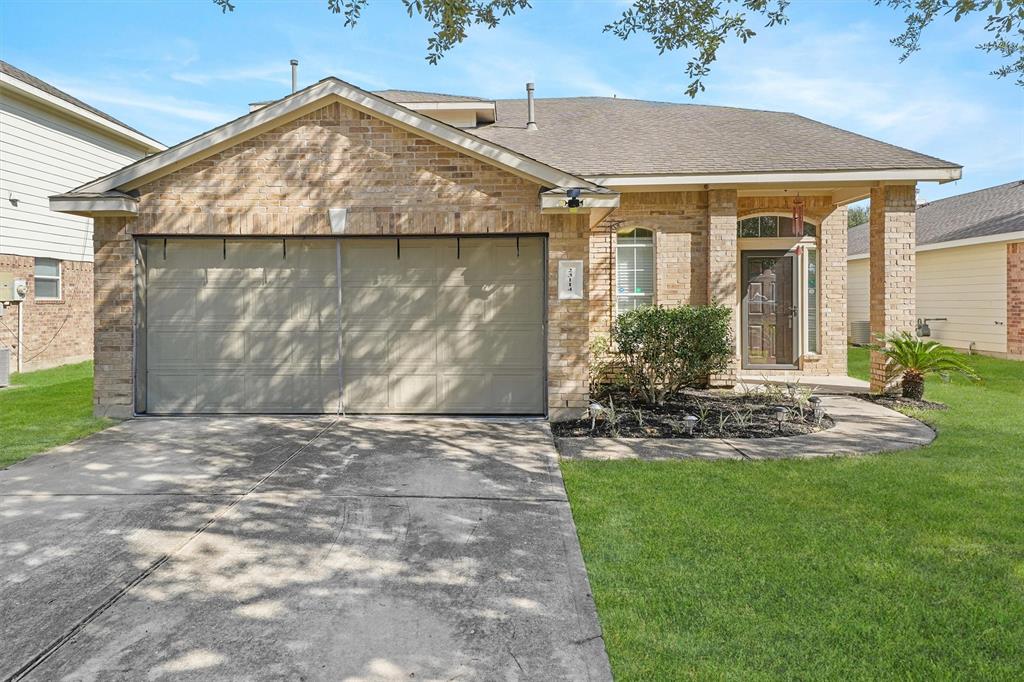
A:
[292, 548]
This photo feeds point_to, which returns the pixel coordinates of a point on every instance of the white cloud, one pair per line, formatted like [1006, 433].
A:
[192, 110]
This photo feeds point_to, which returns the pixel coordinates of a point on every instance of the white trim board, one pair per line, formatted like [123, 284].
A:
[310, 99]
[33, 93]
[971, 241]
[730, 180]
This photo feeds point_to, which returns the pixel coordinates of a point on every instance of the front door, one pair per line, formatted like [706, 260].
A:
[769, 310]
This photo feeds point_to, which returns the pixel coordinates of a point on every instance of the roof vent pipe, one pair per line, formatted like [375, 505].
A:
[531, 118]
[295, 75]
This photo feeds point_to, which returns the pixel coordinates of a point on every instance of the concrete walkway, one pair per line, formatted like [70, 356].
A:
[286, 548]
[861, 427]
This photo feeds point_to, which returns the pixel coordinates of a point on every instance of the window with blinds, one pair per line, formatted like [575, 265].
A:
[634, 274]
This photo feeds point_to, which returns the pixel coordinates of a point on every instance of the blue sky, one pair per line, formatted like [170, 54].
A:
[175, 69]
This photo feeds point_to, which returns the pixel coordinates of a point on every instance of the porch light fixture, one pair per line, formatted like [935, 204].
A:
[573, 201]
[819, 409]
[780, 416]
[689, 423]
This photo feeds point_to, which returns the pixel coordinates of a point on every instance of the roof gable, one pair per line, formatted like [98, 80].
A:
[310, 99]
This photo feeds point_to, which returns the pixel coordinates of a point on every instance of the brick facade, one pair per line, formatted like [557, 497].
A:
[282, 182]
[53, 332]
[1015, 300]
[892, 238]
[393, 182]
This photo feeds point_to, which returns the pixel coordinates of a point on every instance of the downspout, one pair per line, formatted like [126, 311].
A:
[21, 333]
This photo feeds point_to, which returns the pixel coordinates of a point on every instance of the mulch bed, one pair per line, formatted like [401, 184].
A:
[720, 414]
[895, 401]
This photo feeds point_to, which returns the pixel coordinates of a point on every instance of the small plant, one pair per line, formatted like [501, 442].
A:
[912, 359]
[743, 418]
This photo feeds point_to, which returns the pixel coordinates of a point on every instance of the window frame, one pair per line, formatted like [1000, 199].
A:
[652, 294]
[59, 279]
[816, 225]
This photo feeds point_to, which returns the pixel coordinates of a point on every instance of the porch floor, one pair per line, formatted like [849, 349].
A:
[831, 384]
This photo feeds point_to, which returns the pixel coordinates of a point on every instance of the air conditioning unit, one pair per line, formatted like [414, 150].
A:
[860, 332]
[5, 367]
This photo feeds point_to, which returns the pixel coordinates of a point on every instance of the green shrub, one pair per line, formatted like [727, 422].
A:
[662, 350]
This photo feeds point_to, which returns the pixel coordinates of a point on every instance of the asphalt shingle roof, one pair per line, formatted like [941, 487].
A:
[25, 77]
[612, 136]
[986, 212]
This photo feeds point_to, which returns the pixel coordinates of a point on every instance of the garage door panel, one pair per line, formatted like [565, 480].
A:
[413, 392]
[170, 392]
[366, 392]
[220, 304]
[516, 304]
[220, 347]
[363, 347]
[518, 392]
[437, 326]
[417, 348]
[221, 392]
[466, 392]
[172, 306]
[462, 305]
[172, 349]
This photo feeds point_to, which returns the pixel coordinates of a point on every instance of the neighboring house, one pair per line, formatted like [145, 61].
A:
[340, 249]
[49, 143]
[970, 271]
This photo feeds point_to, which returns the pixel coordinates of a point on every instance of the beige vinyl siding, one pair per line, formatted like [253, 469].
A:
[45, 153]
[858, 309]
[966, 284]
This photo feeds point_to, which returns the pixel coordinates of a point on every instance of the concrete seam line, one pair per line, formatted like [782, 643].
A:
[55, 646]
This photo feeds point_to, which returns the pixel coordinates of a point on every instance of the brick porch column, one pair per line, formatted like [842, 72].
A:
[723, 268]
[113, 283]
[892, 239]
[832, 288]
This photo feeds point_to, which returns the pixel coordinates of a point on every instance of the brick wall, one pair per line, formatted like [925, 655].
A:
[54, 332]
[282, 182]
[892, 238]
[723, 275]
[1015, 299]
[679, 221]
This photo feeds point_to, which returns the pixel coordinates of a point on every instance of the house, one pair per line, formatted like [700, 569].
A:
[344, 250]
[49, 143]
[970, 272]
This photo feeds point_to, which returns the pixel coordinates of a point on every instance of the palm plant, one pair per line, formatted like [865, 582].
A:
[914, 359]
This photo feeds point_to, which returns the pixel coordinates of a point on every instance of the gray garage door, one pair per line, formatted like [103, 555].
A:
[427, 326]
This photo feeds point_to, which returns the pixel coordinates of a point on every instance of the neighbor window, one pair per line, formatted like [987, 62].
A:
[771, 226]
[634, 274]
[47, 279]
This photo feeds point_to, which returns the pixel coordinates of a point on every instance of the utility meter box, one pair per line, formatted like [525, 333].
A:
[12, 289]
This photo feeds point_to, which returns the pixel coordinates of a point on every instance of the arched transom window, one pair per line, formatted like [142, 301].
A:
[634, 271]
[772, 226]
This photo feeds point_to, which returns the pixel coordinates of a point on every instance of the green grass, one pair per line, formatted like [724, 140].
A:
[899, 566]
[45, 409]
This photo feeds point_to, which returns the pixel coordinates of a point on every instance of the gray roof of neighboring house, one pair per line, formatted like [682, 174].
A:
[25, 77]
[414, 96]
[984, 213]
[613, 136]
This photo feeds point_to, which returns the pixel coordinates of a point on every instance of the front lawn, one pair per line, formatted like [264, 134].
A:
[44, 409]
[906, 565]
